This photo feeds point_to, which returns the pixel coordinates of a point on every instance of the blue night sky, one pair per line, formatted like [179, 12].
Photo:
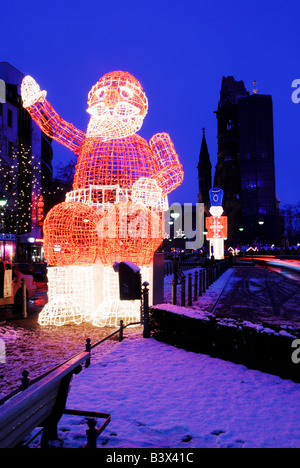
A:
[179, 50]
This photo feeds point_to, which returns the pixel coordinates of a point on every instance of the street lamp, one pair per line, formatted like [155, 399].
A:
[174, 215]
[260, 222]
[241, 239]
[205, 242]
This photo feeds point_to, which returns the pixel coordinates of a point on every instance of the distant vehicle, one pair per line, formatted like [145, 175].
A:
[11, 283]
[40, 271]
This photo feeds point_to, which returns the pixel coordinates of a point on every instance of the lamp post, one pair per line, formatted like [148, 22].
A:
[205, 242]
[3, 202]
[261, 223]
[174, 215]
[241, 230]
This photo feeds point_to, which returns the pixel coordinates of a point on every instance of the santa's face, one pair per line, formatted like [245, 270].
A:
[117, 105]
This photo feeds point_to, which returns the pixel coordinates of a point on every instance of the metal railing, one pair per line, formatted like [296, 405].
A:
[202, 280]
[26, 381]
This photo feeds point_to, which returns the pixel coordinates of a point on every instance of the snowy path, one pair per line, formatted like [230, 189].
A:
[164, 397]
[160, 396]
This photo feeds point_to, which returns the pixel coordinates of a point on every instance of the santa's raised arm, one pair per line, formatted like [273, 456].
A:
[41, 111]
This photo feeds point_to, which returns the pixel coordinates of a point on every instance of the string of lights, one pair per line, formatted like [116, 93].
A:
[20, 188]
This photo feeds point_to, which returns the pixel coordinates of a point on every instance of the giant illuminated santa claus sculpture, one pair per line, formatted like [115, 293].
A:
[115, 211]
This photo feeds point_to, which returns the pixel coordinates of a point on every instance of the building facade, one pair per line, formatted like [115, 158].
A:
[25, 176]
[259, 210]
[245, 168]
[227, 173]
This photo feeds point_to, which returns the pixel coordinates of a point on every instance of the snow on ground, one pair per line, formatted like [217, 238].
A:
[163, 397]
[205, 303]
[160, 396]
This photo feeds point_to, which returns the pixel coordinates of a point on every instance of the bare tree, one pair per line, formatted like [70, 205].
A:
[65, 172]
[291, 215]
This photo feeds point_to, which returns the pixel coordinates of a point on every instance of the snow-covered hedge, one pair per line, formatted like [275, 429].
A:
[256, 347]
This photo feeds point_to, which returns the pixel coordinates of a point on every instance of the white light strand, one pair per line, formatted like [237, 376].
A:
[112, 309]
[70, 295]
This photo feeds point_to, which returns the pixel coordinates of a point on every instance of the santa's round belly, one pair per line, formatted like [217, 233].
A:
[115, 162]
